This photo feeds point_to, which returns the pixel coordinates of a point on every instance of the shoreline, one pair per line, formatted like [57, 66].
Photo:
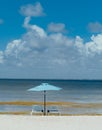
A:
[66, 108]
[67, 104]
[48, 103]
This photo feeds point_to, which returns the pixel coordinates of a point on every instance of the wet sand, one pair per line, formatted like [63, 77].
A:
[65, 108]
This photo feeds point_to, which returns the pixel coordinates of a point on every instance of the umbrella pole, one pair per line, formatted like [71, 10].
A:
[44, 102]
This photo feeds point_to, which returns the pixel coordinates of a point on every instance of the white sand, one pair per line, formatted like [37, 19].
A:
[13, 122]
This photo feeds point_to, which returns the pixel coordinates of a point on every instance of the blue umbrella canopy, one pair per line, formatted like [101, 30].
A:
[44, 87]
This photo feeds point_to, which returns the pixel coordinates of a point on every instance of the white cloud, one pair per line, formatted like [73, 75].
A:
[35, 28]
[38, 50]
[40, 55]
[92, 47]
[56, 27]
[13, 48]
[32, 10]
[95, 27]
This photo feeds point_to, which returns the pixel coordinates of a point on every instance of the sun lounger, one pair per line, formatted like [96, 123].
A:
[53, 110]
[37, 109]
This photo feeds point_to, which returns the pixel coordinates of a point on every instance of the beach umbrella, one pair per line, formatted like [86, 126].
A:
[44, 87]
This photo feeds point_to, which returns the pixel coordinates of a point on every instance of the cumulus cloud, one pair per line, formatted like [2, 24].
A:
[32, 10]
[56, 27]
[37, 44]
[39, 54]
[35, 28]
[95, 27]
[93, 47]
[52, 55]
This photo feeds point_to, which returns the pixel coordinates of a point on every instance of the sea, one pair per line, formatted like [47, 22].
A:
[78, 91]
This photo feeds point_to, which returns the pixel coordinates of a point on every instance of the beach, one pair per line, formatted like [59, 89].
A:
[80, 107]
[64, 108]
[77, 97]
[19, 122]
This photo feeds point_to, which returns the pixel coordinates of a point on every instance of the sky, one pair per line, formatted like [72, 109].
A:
[51, 39]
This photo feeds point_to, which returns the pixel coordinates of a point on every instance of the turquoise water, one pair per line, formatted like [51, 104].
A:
[72, 90]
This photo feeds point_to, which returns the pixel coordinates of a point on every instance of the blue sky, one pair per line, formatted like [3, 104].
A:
[51, 39]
